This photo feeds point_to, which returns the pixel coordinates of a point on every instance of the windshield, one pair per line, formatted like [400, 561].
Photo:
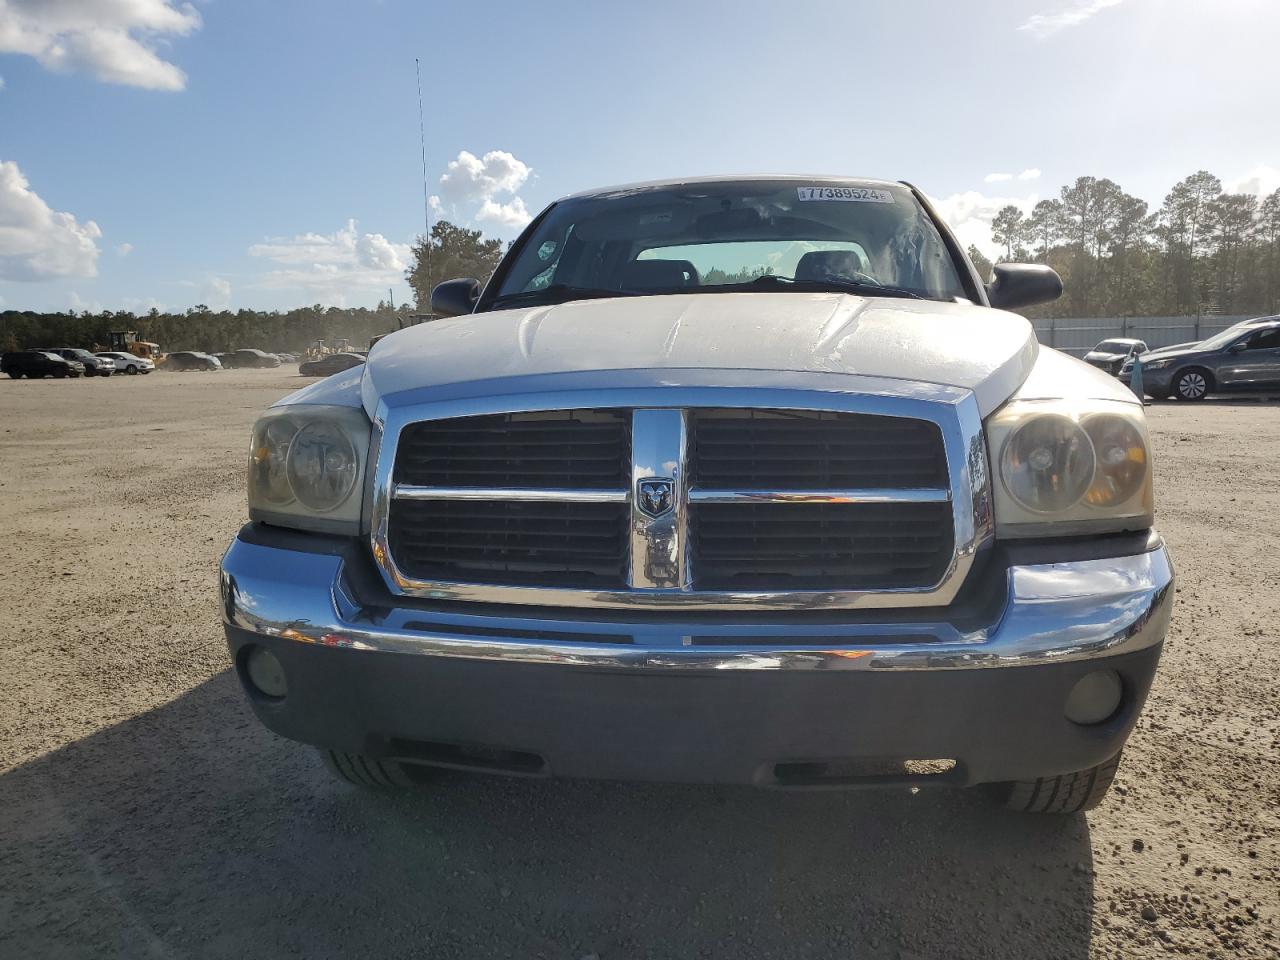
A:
[1221, 339]
[1114, 346]
[693, 238]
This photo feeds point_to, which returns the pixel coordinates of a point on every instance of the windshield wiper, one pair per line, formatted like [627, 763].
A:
[842, 284]
[559, 293]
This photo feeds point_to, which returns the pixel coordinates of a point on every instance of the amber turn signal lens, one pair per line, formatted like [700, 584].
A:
[1121, 455]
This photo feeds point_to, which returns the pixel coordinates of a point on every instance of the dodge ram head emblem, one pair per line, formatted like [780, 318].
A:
[656, 495]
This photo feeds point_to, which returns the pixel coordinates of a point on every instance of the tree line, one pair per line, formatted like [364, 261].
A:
[453, 252]
[1202, 251]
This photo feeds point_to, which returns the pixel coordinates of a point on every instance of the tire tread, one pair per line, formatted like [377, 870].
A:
[364, 771]
[1064, 794]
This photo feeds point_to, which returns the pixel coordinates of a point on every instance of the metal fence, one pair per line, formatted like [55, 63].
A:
[1078, 335]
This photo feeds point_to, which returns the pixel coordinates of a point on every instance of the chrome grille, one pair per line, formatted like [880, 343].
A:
[877, 501]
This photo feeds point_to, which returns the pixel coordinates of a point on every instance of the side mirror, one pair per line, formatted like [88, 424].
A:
[1016, 285]
[1238, 347]
[455, 297]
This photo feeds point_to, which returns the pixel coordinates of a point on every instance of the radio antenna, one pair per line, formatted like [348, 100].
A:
[422, 140]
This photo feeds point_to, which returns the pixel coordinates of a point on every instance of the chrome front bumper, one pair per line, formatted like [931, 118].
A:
[1051, 613]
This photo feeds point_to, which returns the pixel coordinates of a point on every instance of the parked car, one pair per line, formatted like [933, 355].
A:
[841, 524]
[128, 362]
[185, 360]
[37, 364]
[249, 357]
[228, 360]
[1110, 355]
[1244, 358]
[94, 366]
[327, 366]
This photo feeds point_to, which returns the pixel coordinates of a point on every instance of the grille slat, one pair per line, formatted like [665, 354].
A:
[564, 544]
[776, 546]
[760, 449]
[563, 448]
[561, 544]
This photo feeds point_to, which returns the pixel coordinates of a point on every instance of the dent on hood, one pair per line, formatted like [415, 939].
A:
[924, 342]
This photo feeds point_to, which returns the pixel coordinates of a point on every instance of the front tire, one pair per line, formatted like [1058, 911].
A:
[131, 369]
[1192, 385]
[1065, 794]
[15, 374]
[367, 772]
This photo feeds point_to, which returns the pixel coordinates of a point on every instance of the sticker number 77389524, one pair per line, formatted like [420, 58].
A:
[857, 194]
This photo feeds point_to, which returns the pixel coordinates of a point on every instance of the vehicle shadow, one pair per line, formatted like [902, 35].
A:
[191, 830]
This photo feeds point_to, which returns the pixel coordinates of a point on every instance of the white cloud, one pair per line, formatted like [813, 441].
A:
[1261, 181]
[969, 215]
[124, 249]
[1, 83]
[141, 304]
[37, 243]
[997, 177]
[114, 40]
[217, 293]
[513, 214]
[1032, 173]
[76, 302]
[326, 267]
[483, 182]
[1043, 25]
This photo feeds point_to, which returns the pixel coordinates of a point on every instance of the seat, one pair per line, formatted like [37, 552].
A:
[821, 264]
[659, 275]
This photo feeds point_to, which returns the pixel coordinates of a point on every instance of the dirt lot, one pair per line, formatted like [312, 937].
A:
[144, 811]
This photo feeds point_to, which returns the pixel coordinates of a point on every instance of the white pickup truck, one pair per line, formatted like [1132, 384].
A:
[725, 480]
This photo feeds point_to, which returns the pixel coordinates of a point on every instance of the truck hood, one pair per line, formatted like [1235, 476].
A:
[961, 345]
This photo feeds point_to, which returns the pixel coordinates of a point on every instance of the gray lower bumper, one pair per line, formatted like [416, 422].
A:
[735, 700]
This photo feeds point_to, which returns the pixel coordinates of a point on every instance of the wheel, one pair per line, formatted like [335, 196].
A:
[15, 374]
[364, 771]
[1191, 384]
[131, 369]
[1069, 793]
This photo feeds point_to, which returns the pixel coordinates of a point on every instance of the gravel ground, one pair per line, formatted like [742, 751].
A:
[145, 812]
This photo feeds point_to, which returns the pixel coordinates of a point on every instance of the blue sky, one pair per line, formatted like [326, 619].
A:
[252, 154]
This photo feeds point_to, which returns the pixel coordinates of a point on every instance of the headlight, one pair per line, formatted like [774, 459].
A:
[1156, 364]
[306, 467]
[1067, 468]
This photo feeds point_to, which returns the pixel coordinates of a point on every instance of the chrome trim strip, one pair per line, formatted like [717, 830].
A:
[1053, 613]
[955, 412]
[920, 495]
[408, 491]
[659, 442]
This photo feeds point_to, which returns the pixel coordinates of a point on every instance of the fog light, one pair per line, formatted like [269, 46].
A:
[1095, 697]
[266, 673]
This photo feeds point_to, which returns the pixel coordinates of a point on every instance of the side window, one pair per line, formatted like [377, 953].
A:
[1265, 340]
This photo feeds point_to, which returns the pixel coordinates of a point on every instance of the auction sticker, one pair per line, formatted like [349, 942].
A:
[856, 194]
